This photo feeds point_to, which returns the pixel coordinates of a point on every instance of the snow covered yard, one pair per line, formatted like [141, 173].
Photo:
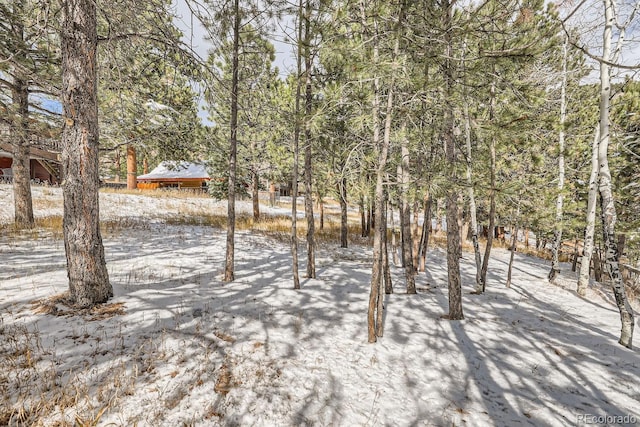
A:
[176, 346]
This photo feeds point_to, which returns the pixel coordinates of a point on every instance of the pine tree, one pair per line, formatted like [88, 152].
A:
[29, 61]
[86, 267]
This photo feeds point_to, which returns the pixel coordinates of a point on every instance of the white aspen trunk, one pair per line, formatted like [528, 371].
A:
[590, 228]
[607, 206]
[557, 233]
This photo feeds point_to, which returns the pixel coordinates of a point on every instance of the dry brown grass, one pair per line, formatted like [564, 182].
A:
[224, 337]
[42, 204]
[60, 305]
[224, 382]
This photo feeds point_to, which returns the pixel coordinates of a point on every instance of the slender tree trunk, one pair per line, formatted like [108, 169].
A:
[294, 209]
[597, 265]
[453, 213]
[19, 132]
[473, 210]
[117, 165]
[514, 240]
[376, 271]
[86, 266]
[321, 208]
[394, 242]
[255, 195]
[492, 196]
[233, 151]
[557, 233]
[388, 284]
[405, 215]
[363, 220]
[296, 155]
[385, 280]
[371, 220]
[415, 237]
[308, 195]
[132, 167]
[590, 227]
[607, 206]
[401, 216]
[382, 145]
[576, 253]
[426, 225]
[344, 226]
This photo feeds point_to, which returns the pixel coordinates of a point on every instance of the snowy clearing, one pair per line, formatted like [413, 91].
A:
[176, 346]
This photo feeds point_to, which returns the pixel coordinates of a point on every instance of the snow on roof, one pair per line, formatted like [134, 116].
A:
[177, 170]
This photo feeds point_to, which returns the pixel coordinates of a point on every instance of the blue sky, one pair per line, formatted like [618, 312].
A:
[194, 36]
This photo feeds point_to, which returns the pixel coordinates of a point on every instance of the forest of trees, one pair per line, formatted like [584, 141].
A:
[516, 114]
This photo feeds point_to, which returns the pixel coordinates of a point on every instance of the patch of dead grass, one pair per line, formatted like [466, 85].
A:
[224, 381]
[60, 305]
[224, 337]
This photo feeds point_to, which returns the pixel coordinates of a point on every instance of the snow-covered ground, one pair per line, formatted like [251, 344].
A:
[187, 349]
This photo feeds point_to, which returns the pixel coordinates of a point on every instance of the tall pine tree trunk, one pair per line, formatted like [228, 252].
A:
[344, 226]
[388, 284]
[607, 206]
[473, 210]
[132, 166]
[512, 248]
[454, 248]
[255, 195]
[405, 215]
[492, 194]
[86, 266]
[376, 270]
[19, 132]
[424, 242]
[415, 236]
[557, 232]
[296, 155]
[233, 150]
[308, 195]
[363, 220]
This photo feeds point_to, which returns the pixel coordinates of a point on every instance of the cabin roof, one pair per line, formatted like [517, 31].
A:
[176, 171]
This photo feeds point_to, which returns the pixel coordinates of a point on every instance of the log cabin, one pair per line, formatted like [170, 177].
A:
[175, 174]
